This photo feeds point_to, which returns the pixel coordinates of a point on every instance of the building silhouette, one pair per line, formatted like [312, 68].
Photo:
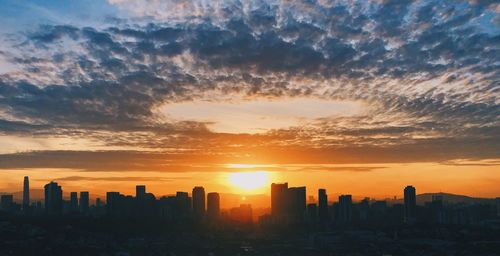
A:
[84, 201]
[26, 193]
[410, 204]
[53, 198]
[213, 205]
[73, 202]
[322, 206]
[296, 209]
[279, 199]
[344, 209]
[198, 201]
[7, 202]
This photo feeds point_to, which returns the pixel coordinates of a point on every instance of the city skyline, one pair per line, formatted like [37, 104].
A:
[343, 95]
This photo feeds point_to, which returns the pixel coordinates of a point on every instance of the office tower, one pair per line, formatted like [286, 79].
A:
[183, 206]
[84, 201]
[112, 202]
[322, 206]
[242, 214]
[7, 202]
[497, 201]
[53, 198]
[345, 209]
[73, 202]
[213, 205]
[140, 191]
[198, 201]
[410, 204]
[279, 199]
[296, 203]
[26, 193]
[312, 214]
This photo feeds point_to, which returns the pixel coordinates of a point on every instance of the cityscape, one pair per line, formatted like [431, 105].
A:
[249, 127]
[318, 227]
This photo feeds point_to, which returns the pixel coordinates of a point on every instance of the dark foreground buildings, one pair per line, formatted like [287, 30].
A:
[194, 224]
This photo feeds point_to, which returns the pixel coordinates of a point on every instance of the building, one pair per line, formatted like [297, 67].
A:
[242, 214]
[410, 205]
[279, 199]
[7, 202]
[296, 203]
[84, 201]
[198, 202]
[73, 202]
[213, 205]
[26, 193]
[112, 202]
[322, 206]
[53, 198]
[183, 205]
[344, 209]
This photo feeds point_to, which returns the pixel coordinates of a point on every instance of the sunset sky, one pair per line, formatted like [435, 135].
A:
[358, 97]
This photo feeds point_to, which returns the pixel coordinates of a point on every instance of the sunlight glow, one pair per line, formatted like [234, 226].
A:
[249, 181]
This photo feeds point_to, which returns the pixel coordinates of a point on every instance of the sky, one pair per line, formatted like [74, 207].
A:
[358, 97]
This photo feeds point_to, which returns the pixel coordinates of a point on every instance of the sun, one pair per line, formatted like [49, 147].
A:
[249, 181]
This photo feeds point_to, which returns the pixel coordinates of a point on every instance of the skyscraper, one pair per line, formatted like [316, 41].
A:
[296, 198]
[279, 199]
[6, 202]
[410, 204]
[84, 201]
[345, 209]
[322, 206]
[140, 192]
[53, 198]
[26, 193]
[73, 202]
[199, 201]
[213, 205]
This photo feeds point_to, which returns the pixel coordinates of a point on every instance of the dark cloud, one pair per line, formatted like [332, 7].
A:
[428, 70]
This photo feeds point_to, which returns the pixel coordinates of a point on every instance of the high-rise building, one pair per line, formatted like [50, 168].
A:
[26, 193]
[497, 200]
[322, 206]
[112, 202]
[140, 192]
[296, 203]
[198, 201]
[279, 199]
[213, 205]
[410, 199]
[53, 198]
[73, 202]
[345, 209]
[7, 202]
[84, 201]
[183, 204]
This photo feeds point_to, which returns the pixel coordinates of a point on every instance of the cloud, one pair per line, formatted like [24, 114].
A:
[426, 70]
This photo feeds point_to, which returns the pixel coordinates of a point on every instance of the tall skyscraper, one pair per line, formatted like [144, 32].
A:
[345, 209]
[213, 205]
[26, 193]
[140, 192]
[84, 201]
[199, 201]
[53, 198]
[183, 202]
[279, 200]
[73, 202]
[322, 206]
[296, 203]
[410, 199]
